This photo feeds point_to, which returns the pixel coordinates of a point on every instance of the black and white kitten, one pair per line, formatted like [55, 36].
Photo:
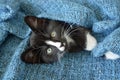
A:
[50, 39]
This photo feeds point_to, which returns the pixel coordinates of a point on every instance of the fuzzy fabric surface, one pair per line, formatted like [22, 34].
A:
[101, 16]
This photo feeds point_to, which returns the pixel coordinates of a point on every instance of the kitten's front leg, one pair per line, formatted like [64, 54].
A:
[111, 55]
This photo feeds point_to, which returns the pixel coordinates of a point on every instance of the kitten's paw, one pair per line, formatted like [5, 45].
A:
[111, 55]
[91, 42]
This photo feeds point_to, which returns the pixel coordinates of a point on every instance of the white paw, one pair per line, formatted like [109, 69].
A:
[91, 42]
[111, 55]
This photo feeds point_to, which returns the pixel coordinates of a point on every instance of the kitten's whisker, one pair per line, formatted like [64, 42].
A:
[69, 29]
[72, 31]
[65, 27]
[66, 30]
[62, 30]
[72, 24]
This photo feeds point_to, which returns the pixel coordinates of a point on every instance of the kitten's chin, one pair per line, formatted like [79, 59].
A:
[91, 42]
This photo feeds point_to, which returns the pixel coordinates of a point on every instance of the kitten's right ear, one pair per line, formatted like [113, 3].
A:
[31, 21]
[31, 56]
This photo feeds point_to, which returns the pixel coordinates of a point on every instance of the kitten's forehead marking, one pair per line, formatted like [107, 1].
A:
[56, 44]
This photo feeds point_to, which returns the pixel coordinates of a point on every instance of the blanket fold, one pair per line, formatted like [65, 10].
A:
[8, 8]
[110, 43]
[106, 27]
[16, 25]
[3, 35]
[15, 62]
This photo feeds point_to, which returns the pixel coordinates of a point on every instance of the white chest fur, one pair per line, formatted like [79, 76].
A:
[90, 42]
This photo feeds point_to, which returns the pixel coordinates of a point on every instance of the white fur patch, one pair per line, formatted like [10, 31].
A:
[68, 39]
[56, 44]
[90, 42]
[111, 55]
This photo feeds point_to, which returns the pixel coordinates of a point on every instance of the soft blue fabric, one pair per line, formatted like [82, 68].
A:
[8, 8]
[101, 16]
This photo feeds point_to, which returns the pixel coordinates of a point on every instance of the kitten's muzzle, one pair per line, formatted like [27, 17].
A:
[63, 44]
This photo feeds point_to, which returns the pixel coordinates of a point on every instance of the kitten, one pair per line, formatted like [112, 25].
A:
[50, 39]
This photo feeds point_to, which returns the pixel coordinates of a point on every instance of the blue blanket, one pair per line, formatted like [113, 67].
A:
[101, 16]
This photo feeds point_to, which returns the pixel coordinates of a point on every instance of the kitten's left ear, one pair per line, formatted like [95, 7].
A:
[31, 21]
[36, 23]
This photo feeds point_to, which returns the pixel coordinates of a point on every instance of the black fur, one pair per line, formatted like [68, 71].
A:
[41, 31]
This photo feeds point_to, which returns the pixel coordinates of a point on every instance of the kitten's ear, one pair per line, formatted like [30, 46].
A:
[31, 56]
[36, 23]
[31, 21]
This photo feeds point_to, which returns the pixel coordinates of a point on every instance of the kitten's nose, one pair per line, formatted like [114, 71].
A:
[62, 44]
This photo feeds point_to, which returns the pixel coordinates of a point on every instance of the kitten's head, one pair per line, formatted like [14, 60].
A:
[46, 43]
[51, 38]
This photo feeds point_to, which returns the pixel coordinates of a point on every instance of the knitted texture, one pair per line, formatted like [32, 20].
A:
[8, 8]
[101, 16]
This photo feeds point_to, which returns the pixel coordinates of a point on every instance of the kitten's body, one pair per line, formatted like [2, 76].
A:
[50, 39]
